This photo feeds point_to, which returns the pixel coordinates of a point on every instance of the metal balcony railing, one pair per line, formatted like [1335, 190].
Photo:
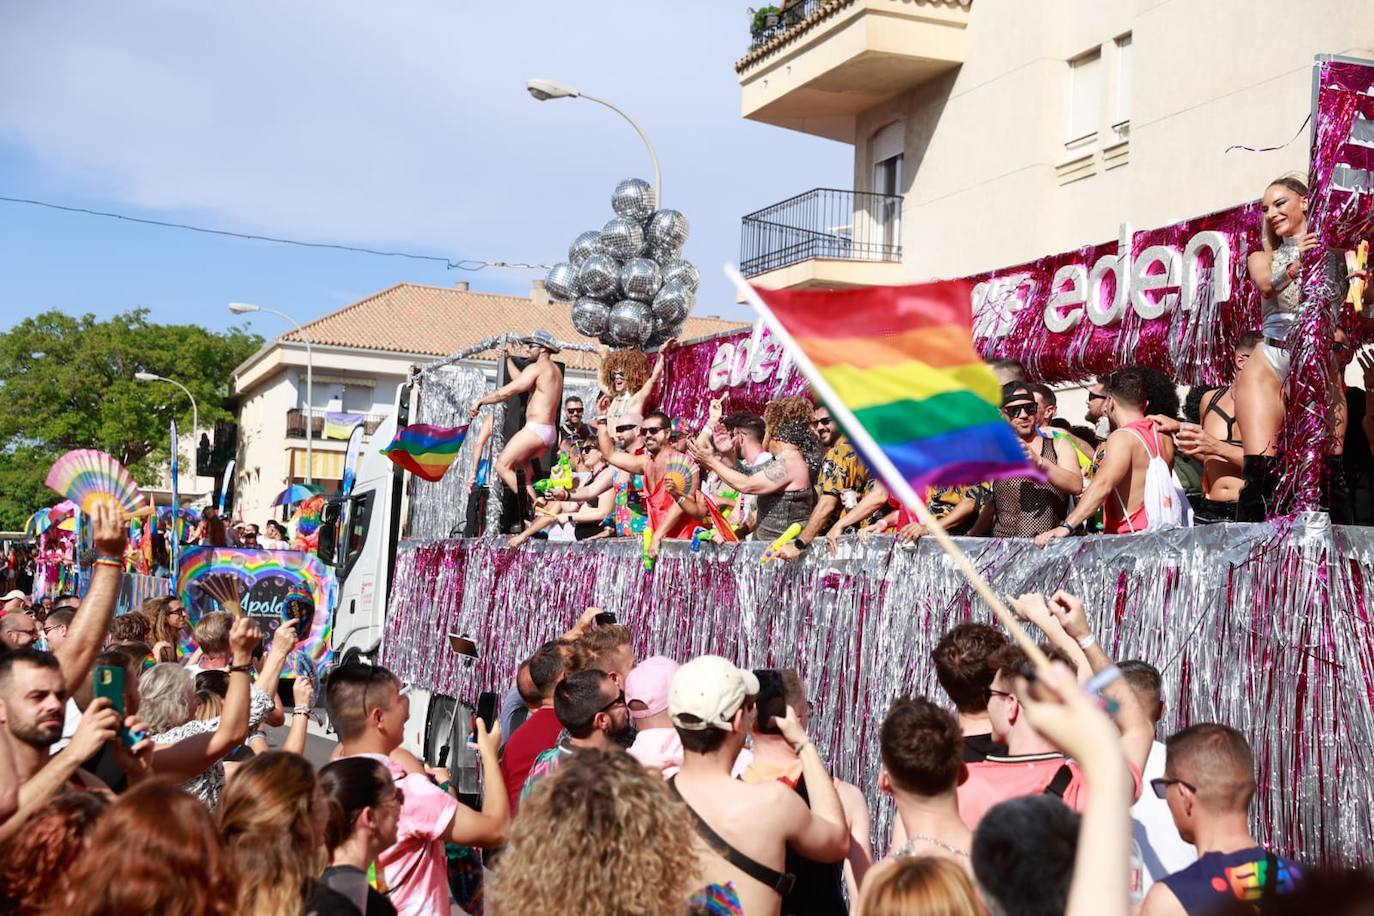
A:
[822, 223]
[774, 24]
[295, 423]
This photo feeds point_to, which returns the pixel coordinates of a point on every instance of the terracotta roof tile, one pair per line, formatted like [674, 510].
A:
[439, 321]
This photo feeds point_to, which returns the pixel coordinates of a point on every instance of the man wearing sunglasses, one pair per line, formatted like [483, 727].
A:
[573, 427]
[592, 708]
[667, 515]
[1024, 506]
[1208, 783]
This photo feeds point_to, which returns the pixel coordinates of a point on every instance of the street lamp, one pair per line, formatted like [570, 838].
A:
[543, 90]
[195, 412]
[244, 308]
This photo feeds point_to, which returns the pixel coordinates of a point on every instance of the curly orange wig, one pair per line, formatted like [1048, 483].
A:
[633, 363]
[778, 411]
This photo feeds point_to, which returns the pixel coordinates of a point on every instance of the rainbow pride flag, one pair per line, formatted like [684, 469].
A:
[896, 365]
[426, 451]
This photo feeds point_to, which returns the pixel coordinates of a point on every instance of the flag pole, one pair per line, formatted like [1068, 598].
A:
[886, 469]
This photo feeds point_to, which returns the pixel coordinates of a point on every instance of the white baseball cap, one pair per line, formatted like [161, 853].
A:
[707, 692]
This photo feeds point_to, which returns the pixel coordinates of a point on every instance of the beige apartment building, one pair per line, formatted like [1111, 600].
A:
[987, 133]
[362, 353]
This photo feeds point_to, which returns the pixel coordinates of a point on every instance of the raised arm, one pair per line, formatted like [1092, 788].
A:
[1116, 464]
[92, 621]
[486, 828]
[302, 695]
[623, 460]
[770, 478]
[518, 385]
[823, 833]
[703, 439]
[640, 397]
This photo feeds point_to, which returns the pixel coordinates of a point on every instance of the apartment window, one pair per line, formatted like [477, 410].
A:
[887, 147]
[1085, 99]
[1121, 119]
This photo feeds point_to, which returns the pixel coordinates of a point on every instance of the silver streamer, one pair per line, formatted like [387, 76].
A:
[446, 395]
[1264, 627]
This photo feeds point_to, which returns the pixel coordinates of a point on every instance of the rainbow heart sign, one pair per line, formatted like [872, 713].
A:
[274, 585]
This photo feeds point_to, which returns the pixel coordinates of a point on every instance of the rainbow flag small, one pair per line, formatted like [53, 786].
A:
[426, 451]
[900, 362]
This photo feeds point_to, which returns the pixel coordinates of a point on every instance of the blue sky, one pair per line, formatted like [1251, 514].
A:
[400, 125]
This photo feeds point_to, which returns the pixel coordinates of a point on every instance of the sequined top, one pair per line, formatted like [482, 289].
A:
[778, 511]
[1025, 508]
[1279, 313]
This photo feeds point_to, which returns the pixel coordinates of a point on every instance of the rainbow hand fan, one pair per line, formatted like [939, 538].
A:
[679, 471]
[88, 477]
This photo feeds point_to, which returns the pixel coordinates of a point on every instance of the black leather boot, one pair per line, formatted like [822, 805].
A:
[1257, 496]
[1340, 503]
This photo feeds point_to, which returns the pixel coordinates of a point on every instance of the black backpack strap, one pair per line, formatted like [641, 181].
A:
[1060, 783]
[768, 877]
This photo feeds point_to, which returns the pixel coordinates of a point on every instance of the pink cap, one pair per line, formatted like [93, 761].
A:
[648, 683]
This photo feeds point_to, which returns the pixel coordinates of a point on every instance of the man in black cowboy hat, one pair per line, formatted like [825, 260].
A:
[542, 379]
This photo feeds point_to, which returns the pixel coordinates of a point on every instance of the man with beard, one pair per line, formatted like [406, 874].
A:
[783, 485]
[590, 705]
[843, 479]
[34, 696]
[1024, 506]
[667, 517]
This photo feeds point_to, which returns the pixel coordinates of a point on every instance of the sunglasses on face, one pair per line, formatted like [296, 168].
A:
[618, 701]
[1019, 410]
[650, 430]
[823, 421]
[575, 409]
[1096, 396]
[1161, 786]
[989, 693]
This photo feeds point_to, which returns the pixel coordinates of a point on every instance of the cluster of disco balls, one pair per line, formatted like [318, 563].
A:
[628, 283]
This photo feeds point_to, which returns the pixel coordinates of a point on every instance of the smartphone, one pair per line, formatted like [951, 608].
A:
[770, 702]
[462, 644]
[604, 619]
[109, 683]
[487, 703]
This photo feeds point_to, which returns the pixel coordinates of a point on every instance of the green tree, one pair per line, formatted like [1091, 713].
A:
[68, 383]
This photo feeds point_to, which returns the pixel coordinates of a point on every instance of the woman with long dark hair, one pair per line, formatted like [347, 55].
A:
[364, 810]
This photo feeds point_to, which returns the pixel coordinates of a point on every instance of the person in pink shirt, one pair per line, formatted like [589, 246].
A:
[1032, 764]
[656, 744]
[368, 709]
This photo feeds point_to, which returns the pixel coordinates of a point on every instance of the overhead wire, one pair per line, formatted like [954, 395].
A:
[470, 264]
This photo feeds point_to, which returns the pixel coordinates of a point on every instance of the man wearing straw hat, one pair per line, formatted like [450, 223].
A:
[542, 379]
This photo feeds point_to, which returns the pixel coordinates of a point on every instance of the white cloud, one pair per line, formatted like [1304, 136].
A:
[403, 123]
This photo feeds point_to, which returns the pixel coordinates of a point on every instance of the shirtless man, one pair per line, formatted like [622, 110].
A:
[666, 513]
[1216, 442]
[545, 383]
[1119, 485]
[786, 479]
[711, 703]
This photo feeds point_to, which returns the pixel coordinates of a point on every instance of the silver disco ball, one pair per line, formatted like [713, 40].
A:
[561, 281]
[664, 255]
[673, 302]
[634, 198]
[584, 246]
[683, 272]
[640, 279]
[589, 316]
[664, 332]
[622, 238]
[599, 276]
[630, 323]
[667, 229]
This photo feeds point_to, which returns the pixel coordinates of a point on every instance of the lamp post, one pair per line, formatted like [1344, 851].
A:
[195, 412]
[543, 90]
[245, 308]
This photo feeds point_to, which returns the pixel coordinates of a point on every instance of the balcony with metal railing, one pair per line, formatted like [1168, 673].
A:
[815, 65]
[296, 420]
[824, 238]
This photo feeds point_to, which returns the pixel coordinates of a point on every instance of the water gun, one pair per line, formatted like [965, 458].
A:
[696, 538]
[648, 540]
[560, 477]
[1085, 462]
[1356, 261]
[775, 549]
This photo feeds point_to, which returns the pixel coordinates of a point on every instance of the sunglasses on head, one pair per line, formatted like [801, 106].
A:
[1019, 410]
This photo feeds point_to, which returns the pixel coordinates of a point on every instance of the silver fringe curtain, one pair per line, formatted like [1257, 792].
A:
[1263, 627]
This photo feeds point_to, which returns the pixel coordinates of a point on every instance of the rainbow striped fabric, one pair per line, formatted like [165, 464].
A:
[901, 359]
[426, 451]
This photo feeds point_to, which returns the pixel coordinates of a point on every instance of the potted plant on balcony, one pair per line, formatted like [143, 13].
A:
[765, 23]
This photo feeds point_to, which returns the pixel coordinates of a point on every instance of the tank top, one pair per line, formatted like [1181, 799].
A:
[1244, 875]
[778, 511]
[1025, 508]
[820, 885]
